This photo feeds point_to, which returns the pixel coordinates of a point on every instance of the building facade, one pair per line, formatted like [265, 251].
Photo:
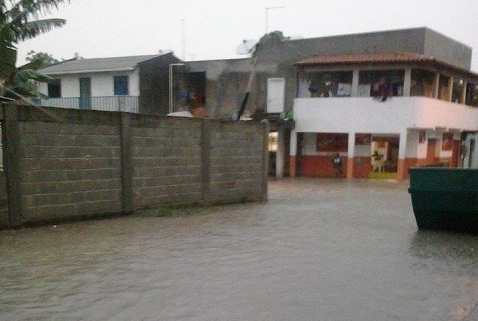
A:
[130, 84]
[382, 112]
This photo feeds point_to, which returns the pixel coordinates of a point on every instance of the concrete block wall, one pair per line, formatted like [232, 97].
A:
[70, 166]
[66, 164]
[167, 162]
[236, 162]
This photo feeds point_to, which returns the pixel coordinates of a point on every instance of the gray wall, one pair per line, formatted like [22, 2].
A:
[226, 84]
[417, 40]
[154, 84]
[3, 202]
[227, 79]
[65, 164]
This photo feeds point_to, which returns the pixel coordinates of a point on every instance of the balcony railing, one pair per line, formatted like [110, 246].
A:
[110, 103]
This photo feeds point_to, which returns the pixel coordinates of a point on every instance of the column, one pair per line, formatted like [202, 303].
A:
[463, 93]
[402, 152]
[436, 85]
[407, 82]
[293, 154]
[351, 156]
[127, 167]
[450, 88]
[355, 83]
[280, 153]
[11, 164]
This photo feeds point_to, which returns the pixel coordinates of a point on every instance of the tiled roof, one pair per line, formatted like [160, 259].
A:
[359, 58]
[96, 65]
[381, 58]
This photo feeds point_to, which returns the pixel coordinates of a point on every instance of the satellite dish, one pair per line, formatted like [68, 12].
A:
[247, 46]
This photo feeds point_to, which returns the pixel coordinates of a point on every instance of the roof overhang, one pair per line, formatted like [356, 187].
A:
[91, 71]
[383, 58]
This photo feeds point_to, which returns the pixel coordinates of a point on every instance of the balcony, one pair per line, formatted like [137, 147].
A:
[390, 115]
[128, 104]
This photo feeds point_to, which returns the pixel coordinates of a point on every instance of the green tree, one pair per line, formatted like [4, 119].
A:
[39, 60]
[20, 21]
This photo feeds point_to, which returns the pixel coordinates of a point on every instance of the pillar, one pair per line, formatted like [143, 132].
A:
[407, 82]
[351, 156]
[463, 93]
[355, 83]
[436, 86]
[293, 154]
[402, 152]
[127, 167]
[450, 88]
[280, 153]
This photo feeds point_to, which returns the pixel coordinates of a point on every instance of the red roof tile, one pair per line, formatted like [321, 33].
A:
[366, 58]
[379, 58]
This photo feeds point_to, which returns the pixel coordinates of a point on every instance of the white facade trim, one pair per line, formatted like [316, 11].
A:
[369, 115]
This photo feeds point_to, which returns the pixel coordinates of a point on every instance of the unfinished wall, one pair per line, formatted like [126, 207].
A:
[65, 164]
[167, 161]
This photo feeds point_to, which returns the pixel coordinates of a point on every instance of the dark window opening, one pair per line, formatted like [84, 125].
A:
[54, 88]
[121, 85]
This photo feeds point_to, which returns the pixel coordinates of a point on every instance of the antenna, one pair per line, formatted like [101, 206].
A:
[247, 46]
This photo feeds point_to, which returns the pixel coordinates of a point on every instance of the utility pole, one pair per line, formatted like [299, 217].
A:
[267, 15]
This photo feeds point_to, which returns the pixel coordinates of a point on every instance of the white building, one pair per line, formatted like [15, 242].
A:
[130, 84]
[382, 112]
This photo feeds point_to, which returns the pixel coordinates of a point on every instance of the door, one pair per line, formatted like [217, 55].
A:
[275, 95]
[85, 93]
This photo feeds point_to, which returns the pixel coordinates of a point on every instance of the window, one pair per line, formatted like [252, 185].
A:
[326, 84]
[378, 83]
[121, 85]
[422, 83]
[54, 88]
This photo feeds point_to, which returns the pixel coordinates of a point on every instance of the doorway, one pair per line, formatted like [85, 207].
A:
[85, 93]
[384, 154]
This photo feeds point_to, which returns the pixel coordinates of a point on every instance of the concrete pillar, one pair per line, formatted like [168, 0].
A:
[436, 86]
[351, 156]
[355, 83]
[450, 88]
[280, 153]
[265, 160]
[463, 93]
[293, 154]
[11, 134]
[402, 152]
[407, 82]
[206, 161]
[127, 167]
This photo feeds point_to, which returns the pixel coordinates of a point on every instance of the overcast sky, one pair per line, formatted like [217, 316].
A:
[214, 28]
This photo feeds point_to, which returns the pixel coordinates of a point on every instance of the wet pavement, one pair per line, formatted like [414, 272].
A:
[318, 250]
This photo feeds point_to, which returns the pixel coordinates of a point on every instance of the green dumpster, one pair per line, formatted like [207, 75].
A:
[445, 198]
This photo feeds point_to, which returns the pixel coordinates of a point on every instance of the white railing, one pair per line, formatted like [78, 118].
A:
[110, 103]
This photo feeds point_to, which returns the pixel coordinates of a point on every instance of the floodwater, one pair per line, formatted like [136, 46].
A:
[318, 250]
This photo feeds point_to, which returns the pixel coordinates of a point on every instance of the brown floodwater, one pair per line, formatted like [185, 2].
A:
[318, 250]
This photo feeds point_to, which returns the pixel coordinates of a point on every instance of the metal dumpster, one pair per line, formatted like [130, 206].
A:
[445, 198]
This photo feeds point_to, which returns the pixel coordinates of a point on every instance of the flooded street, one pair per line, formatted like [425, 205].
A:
[320, 249]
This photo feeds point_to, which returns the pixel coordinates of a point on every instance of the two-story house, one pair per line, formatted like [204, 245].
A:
[384, 110]
[130, 84]
[385, 101]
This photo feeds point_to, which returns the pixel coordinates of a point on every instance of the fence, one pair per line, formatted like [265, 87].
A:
[109, 103]
[67, 164]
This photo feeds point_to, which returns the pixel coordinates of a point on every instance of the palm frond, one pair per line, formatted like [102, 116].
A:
[35, 7]
[34, 28]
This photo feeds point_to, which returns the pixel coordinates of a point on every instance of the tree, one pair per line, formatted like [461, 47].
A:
[39, 60]
[19, 21]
